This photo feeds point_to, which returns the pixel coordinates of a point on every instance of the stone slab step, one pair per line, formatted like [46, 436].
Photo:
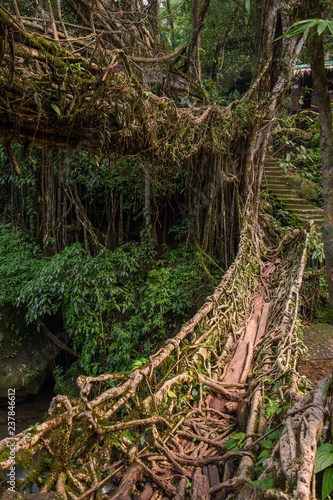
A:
[273, 175]
[274, 181]
[281, 188]
[300, 213]
[290, 197]
[278, 179]
[272, 161]
[278, 184]
[299, 202]
[309, 217]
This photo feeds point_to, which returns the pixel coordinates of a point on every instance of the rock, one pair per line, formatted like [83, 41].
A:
[11, 495]
[23, 366]
[305, 188]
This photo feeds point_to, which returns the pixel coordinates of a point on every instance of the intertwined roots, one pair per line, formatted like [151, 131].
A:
[163, 428]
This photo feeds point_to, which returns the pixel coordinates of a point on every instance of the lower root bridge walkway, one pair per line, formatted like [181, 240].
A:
[198, 420]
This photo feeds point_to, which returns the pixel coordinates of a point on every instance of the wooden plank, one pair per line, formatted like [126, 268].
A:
[200, 486]
[263, 322]
[269, 270]
[213, 474]
[235, 368]
[205, 471]
[214, 479]
[248, 362]
[252, 325]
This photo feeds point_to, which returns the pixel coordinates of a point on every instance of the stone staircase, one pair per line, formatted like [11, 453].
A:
[274, 180]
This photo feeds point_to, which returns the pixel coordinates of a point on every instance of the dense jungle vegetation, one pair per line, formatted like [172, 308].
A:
[134, 136]
[105, 249]
[117, 250]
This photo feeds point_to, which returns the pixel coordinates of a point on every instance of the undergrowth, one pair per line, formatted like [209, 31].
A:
[115, 307]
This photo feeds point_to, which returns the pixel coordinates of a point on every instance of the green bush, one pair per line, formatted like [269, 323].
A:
[20, 260]
[116, 307]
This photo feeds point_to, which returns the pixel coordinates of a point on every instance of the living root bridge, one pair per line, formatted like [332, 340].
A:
[163, 429]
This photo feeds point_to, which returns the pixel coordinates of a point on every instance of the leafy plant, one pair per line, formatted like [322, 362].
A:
[324, 462]
[234, 443]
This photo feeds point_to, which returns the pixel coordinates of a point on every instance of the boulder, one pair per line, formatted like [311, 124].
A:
[305, 188]
[23, 365]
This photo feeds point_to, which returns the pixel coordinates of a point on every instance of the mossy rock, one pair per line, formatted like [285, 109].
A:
[305, 188]
[23, 366]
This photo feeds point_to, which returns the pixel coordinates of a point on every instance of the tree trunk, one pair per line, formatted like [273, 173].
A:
[320, 83]
[193, 58]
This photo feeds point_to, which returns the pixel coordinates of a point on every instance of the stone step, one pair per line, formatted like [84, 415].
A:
[274, 175]
[293, 200]
[273, 169]
[277, 182]
[308, 217]
[299, 209]
[300, 212]
[298, 202]
[272, 161]
[280, 187]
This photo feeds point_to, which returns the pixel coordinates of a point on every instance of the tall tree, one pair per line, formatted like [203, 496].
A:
[320, 83]
[315, 26]
[91, 98]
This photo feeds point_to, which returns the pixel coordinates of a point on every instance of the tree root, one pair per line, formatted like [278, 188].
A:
[183, 432]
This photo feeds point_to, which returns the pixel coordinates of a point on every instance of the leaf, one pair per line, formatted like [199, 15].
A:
[321, 26]
[265, 443]
[172, 394]
[327, 385]
[324, 457]
[264, 453]
[238, 435]
[330, 27]
[247, 5]
[267, 483]
[36, 99]
[327, 484]
[128, 435]
[56, 109]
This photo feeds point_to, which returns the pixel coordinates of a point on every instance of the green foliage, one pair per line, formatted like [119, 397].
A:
[115, 306]
[316, 248]
[56, 109]
[20, 260]
[65, 381]
[324, 457]
[324, 461]
[265, 484]
[303, 27]
[235, 443]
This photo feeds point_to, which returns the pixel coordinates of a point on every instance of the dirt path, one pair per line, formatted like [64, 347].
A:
[319, 340]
